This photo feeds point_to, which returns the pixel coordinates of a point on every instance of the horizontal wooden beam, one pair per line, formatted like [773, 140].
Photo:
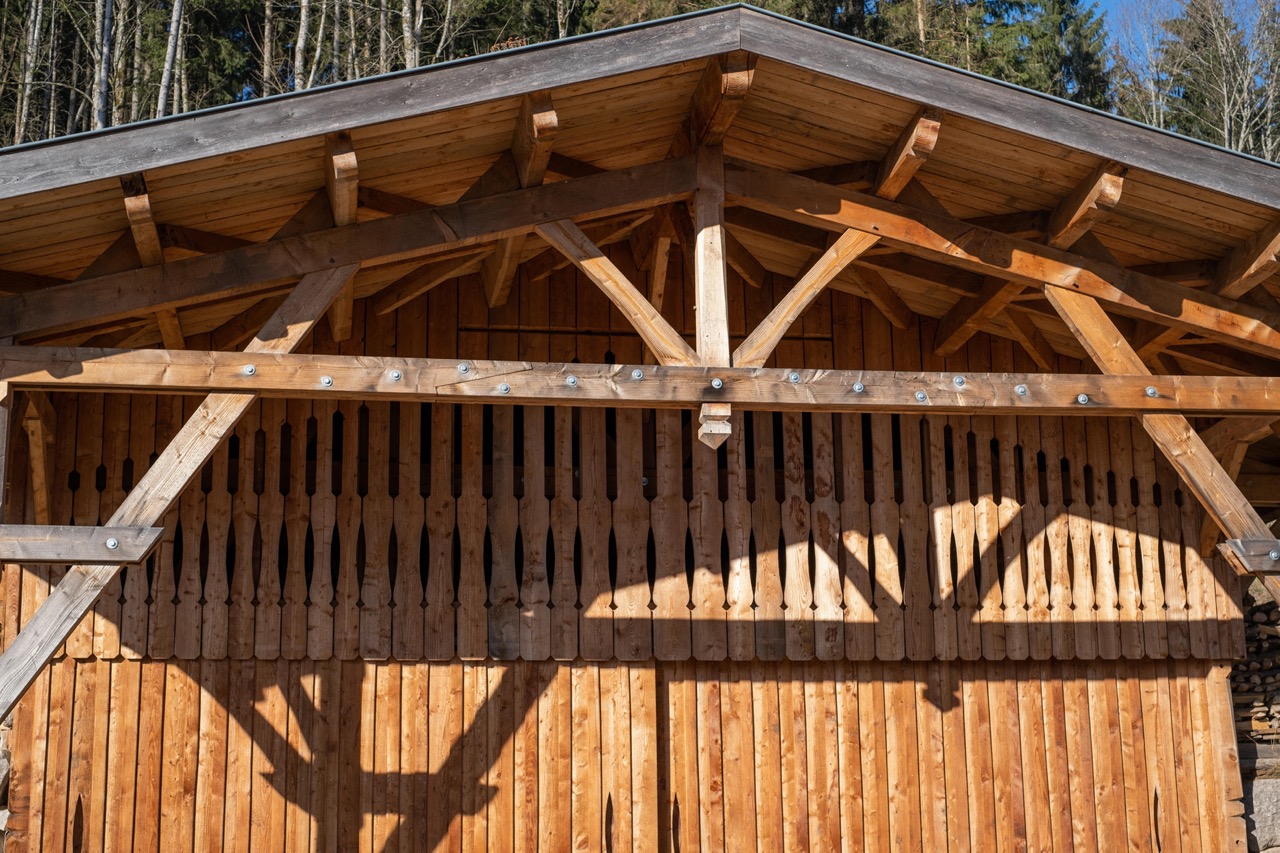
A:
[54, 543]
[937, 237]
[1254, 556]
[427, 379]
[390, 239]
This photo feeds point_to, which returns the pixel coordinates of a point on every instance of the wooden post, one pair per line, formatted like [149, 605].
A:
[711, 299]
[160, 487]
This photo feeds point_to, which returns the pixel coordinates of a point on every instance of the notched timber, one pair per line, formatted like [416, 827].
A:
[1253, 556]
[908, 153]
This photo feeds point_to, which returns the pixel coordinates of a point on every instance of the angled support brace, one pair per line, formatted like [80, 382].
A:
[1259, 557]
[1183, 447]
[55, 543]
[156, 491]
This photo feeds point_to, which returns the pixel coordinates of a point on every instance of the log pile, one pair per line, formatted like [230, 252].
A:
[1255, 681]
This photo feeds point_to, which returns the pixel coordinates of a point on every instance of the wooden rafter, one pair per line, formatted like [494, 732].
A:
[156, 491]
[1181, 445]
[936, 237]
[719, 95]
[606, 233]
[531, 143]
[55, 543]
[342, 184]
[1072, 217]
[1247, 266]
[149, 245]
[1254, 399]
[665, 342]
[393, 238]
[413, 284]
[759, 345]
[908, 154]
[710, 293]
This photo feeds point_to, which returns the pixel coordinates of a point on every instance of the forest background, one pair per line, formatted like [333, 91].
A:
[1208, 69]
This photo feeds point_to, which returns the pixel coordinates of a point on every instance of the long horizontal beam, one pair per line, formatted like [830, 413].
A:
[942, 238]
[56, 543]
[645, 386]
[387, 240]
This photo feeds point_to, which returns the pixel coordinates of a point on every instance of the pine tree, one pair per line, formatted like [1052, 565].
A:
[1066, 53]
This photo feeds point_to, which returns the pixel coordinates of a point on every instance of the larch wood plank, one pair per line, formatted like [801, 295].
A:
[595, 619]
[587, 806]
[498, 754]
[875, 762]
[1108, 770]
[644, 755]
[937, 493]
[300, 696]
[1173, 686]
[1010, 806]
[1078, 529]
[503, 515]
[793, 740]
[293, 606]
[472, 512]
[1106, 595]
[378, 516]
[903, 757]
[85, 500]
[564, 523]
[740, 627]
[237, 818]
[445, 752]
[978, 759]
[766, 757]
[914, 527]
[1126, 538]
[87, 706]
[178, 779]
[1057, 539]
[1035, 532]
[120, 778]
[945, 687]
[555, 721]
[1037, 786]
[388, 741]
[1057, 755]
[766, 523]
[526, 756]
[211, 759]
[535, 521]
[934, 806]
[822, 730]
[1009, 512]
[633, 632]
[217, 518]
[797, 585]
[706, 525]
[615, 756]
[244, 521]
[324, 512]
[146, 813]
[348, 527]
[1154, 615]
[829, 641]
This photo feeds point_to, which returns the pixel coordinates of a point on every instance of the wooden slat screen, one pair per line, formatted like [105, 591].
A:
[410, 532]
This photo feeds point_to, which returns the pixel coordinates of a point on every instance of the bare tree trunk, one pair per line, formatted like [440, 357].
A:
[102, 76]
[183, 101]
[300, 46]
[170, 57]
[137, 70]
[409, 18]
[384, 64]
[30, 56]
[268, 49]
[315, 62]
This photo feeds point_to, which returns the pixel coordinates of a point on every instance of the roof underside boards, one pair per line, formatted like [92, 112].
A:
[621, 99]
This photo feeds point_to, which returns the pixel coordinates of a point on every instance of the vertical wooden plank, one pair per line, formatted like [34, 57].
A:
[930, 750]
[643, 725]
[499, 755]
[849, 759]
[378, 513]
[387, 740]
[301, 699]
[706, 525]
[120, 777]
[346, 589]
[939, 509]
[615, 756]
[526, 756]
[855, 522]
[244, 523]
[1189, 813]
[767, 754]
[271, 524]
[439, 612]
[797, 587]
[242, 682]
[1057, 538]
[1154, 618]
[1108, 768]
[823, 757]
[1035, 536]
[270, 736]
[564, 527]
[1176, 602]
[1158, 749]
[1126, 533]
[901, 743]
[535, 521]
[1078, 530]
[914, 527]
[133, 625]
[86, 499]
[710, 757]
[686, 809]
[293, 608]
[1041, 823]
[737, 738]
[766, 523]
[588, 812]
[670, 524]
[885, 515]
[1057, 755]
[876, 781]
[555, 727]
[409, 513]
[1006, 757]
[944, 693]
[115, 452]
[211, 759]
[472, 515]
[1009, 512]
[88, 701]
[503, 516]
[986, 521]
[979, 758]
[323, 517]
[827, 594]
[741, 628]
[187, 613]
[595, 623]
[1222, 732]
[213, 644]
[1079, 745]
[146, 814]
[445, 752]
[633, 630]
[1106, 598]
[178, 779]
[58, 814]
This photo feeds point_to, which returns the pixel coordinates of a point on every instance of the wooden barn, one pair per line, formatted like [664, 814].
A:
[716, 434]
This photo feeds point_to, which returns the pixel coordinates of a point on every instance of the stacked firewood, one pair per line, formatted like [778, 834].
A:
[1255, 681]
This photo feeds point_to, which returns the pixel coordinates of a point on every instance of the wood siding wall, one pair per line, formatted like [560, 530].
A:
[509, 626]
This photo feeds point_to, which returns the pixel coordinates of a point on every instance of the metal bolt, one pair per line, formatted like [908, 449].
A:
[1151, 390]
[858, 387]
[249, 370]
[504, 388]
[644, 481]
[464, 368]
[793, 378]
[637, 374]
[396, 376]
[959, 380]
[1274, 555]
[326, 381]
[571, 381]
[1020, 390]
[921, 396]
[113, 543]
[1082, 399]
[717, 383]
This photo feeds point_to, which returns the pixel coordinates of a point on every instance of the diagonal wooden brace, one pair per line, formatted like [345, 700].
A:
[151, 498]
